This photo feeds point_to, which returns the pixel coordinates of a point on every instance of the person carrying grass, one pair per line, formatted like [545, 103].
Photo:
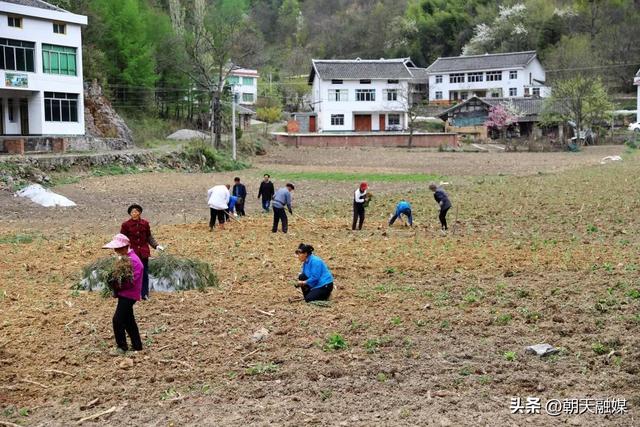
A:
[360, 199]
[315, 279]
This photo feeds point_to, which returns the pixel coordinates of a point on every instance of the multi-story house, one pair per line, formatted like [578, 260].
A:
[501, 75]
[41, 89]
[245, 82]
[360, 95]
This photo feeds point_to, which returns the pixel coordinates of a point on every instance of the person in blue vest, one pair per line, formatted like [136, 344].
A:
[315, 280]
[402, 208]
[442, 199]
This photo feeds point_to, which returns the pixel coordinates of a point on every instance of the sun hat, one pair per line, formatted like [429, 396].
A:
[118, 241]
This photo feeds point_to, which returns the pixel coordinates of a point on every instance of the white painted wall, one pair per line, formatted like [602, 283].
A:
[533, 69]
[36, 27]
[241, 87]
[325, 108]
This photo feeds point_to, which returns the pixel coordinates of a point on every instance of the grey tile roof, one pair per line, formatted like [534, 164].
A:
[356, 69]
[35, 3]
[638, 73]
[482, 62]
[530, 108]
[244, 110]
[419, 73]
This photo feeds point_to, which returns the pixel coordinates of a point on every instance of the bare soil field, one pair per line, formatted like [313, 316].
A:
[435, 327]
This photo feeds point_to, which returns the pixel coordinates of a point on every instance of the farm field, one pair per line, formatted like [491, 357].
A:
[422, 329]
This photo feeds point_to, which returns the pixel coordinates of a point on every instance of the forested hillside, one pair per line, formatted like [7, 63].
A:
[134, 46]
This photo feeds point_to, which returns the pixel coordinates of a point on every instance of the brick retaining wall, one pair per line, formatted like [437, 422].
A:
[420, 140]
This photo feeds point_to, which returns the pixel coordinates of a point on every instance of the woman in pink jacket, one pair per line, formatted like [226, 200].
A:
[124, 322]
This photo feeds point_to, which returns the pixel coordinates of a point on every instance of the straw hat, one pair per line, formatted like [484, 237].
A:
[118, 241]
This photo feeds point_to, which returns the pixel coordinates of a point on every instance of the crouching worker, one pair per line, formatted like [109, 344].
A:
[124, 322]
[315, 280]
[402, 208]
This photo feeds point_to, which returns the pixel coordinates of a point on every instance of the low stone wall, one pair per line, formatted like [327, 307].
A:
[60, 144]
[378, 139]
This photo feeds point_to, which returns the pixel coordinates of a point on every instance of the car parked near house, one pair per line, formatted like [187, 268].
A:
[635, 127]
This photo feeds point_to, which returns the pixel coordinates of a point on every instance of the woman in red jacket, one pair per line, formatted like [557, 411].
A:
[138, 231]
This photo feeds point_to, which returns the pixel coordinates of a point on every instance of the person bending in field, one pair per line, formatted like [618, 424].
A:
[402, 208]
[138, 231]
[315, 279]
[442, 199]
[124, 322]
[281, 200]
[218, 201]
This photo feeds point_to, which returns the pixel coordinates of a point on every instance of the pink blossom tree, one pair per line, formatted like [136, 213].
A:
[501, 117]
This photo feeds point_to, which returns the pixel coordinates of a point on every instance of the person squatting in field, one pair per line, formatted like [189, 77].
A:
[281, 199]
[315, 279]
[138, 231]
[124, 321]
[218, 200]
[360, 199]
[442, 199]
[402, 208]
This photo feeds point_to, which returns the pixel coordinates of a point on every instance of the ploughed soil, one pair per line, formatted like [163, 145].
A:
[427, 322]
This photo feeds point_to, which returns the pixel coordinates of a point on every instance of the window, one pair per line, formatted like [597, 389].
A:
[337, 120]
[513, 91]
[59, 28]
[456, 78]
[365, 94]
[338, 95]
[513, 75]
[536, 91]
[365, 82]
[526, 91]
[494, 76]
[14, 21]
[439, 79]
[247, 97]
[438, 95]
[394, 119]
[392, 81]
[17, 55]
[392, 94]
[58, 60]
[247, 81]
[336, 82]
[496, 93]
[464, 95]
[60, 107]
[474, 77]
[233, 80]
[12, 118]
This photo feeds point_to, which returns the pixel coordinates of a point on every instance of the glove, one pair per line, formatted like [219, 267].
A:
[160, 248]
[290, 211]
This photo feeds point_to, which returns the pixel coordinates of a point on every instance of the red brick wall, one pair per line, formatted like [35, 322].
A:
[58, 145]
[431, 140]
[14, 146]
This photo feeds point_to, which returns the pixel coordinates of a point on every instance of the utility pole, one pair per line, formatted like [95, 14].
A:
[213, 144]
[233, 121]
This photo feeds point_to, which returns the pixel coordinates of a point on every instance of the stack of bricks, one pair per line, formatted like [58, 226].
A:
[14, 146]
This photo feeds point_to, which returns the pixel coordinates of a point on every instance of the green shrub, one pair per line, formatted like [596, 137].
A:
[210, 159]
[335, 342]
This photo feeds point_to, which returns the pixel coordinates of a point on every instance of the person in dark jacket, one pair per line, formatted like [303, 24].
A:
[360, 198]
[442, 199]
[281, 200]
[138, 231]
[240, 191]
[315, 279]
[267, 190]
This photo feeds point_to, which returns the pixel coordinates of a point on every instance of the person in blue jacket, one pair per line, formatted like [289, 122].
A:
[315, 280]
[442, 199]
[402, 208]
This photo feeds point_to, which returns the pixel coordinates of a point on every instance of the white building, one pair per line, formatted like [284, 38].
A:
[245, 82]
[360, 95]
[41, 86]
[501, 75]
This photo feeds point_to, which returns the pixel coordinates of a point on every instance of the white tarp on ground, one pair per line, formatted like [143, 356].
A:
[187, 134]
[610, 159]
[47, 198]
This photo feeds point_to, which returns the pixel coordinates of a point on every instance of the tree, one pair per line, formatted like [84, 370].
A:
[582, 100]
[500, 118]
[268, 115]
[215, 40]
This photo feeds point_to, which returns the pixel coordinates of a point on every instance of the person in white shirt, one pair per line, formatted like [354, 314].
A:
[359, 199]
[218, 200]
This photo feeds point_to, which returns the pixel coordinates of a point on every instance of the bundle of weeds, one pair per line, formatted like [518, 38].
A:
[107, 273]
[367, 199]
[183, 273]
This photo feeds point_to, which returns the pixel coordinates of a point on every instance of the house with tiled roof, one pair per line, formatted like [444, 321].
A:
[501, 75]
[41, 87]
[360, 95]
